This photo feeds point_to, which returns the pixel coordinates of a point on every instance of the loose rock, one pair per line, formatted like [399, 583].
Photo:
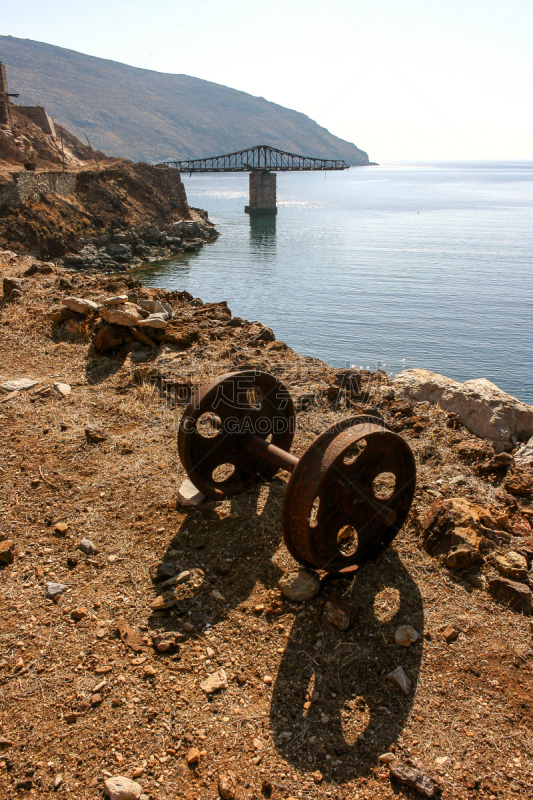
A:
[54, 590]
[165, 600]
[95, 435]
[22, 385]
[13, 287]
[60, 529]
[400, 679]
[410, 773]
[405, 635]
[159, 573]
[451, 633]
[337, 612]
[79, 305]
[109, 338]
[7, 550]
[217, 680]
[79, 613]
[227, 785]
[495, 464]
[519, 484]
[454, 528]
[126, 314]
[220, 565]
[189, 495]
[88, 547]
[301, 585]
[512, 565]
[62, 389]
[120, 788]
[154, 321]
[524, 456]
[193, 756]
[130, 636]
[166, 642]
[516, 595]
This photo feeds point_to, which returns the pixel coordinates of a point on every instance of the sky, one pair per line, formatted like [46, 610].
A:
[405, 80]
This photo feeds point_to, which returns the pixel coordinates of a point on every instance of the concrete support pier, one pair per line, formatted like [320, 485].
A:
[262, 193]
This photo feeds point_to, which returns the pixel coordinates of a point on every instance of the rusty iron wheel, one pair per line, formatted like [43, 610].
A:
[348, 496]
[212, 438]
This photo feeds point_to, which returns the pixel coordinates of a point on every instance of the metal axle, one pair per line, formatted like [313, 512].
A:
[263, 449]
[284, 460]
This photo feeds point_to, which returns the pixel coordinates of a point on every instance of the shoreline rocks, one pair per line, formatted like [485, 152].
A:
[131, 248]
[481, 406]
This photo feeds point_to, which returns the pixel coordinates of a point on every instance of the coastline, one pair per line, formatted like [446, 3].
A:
[117, 487]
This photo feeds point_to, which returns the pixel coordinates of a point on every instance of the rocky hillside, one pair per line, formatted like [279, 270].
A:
[118, 214]
[27, 142]
[152, 116]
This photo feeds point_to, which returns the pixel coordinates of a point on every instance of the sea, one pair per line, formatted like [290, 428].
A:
[424, 265]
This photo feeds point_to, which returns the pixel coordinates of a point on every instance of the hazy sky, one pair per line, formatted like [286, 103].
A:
[402, 79]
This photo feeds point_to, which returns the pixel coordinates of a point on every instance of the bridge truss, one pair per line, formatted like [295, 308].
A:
[255, 159]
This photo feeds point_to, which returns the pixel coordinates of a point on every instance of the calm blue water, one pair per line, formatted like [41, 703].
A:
[428, 266]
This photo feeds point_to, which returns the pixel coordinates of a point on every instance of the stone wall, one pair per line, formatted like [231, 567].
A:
[39, 116]
[27, 185]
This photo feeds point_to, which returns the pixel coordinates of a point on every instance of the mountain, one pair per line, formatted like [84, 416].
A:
[153, 116]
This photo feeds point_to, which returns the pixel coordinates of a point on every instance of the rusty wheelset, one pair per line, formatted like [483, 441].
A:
[348, 495]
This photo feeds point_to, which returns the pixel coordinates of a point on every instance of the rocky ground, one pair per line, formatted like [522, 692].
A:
[232, 688]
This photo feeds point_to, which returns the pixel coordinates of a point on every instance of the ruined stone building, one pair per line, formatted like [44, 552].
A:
[37, 114]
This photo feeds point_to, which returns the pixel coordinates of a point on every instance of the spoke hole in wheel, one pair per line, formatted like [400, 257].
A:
[313, 517]
[354, 452]
[223, 472]
[383, 485]
[254, 397]
[206, 426]
[347, 540]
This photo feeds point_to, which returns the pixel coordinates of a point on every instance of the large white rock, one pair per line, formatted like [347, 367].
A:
[80, 305]
[482, 407]
[120, 788]
[124, 314]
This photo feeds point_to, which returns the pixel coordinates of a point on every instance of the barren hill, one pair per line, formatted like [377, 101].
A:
[152, 116]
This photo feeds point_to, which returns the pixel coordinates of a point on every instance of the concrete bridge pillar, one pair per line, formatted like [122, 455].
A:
[262, 193]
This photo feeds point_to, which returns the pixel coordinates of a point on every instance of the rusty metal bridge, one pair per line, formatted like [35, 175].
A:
[258, 158]
[260, 162]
